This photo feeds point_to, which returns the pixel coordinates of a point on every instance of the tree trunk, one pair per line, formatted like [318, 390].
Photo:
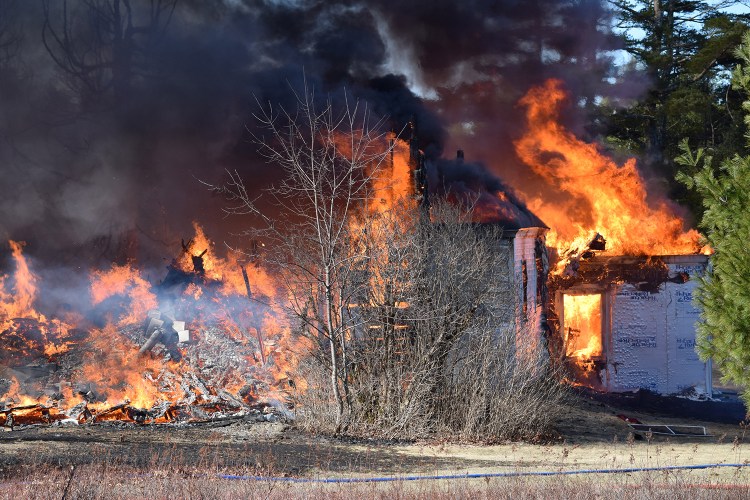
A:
[344, 360]
[660, 73]
[332, 343]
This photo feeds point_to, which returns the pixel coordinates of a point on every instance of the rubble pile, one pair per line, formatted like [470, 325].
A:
[203, 375]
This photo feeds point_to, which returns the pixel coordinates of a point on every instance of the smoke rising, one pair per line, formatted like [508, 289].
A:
[102, 139]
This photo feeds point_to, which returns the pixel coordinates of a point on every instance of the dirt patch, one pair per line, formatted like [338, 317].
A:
[591, 436]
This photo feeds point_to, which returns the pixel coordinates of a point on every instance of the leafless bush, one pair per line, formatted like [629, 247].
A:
[434, 348]
[493, 393]
[315, 406]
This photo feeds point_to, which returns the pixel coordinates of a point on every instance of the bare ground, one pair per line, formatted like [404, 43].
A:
[591, 436]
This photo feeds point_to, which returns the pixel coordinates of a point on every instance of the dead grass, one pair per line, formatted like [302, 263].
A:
[170, 472]
[112, 481]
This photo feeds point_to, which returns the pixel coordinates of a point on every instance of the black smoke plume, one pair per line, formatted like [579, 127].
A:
[104, 132]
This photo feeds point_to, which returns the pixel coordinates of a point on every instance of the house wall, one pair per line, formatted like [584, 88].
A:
[650, 339]
[502, 298]
[530, 269]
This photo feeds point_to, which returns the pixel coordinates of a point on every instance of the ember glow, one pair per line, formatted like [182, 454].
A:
[602, 196]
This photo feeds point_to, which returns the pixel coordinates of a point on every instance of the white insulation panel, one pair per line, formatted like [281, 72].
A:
[651, 340]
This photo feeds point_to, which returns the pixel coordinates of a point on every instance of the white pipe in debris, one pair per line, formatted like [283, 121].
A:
[151, 342]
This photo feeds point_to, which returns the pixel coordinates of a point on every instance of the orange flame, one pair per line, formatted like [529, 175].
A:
[392, 193]
[262, 322]
[118, 374]
[125, 281]
[601, 196]
[15, 394]
[18, 303]
[393, 183]
[224, 270]
[24, 291]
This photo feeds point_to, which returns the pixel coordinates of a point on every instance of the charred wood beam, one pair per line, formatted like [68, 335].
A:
[258, 331]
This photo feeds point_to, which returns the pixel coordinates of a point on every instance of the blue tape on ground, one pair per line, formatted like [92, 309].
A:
[474, 476]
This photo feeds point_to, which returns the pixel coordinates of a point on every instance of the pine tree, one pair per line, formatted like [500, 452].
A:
[685, 50]
[724, 291]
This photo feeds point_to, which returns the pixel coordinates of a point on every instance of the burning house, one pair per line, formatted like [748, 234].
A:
[523, 264]
[623, 323]
[617, 322]
[609, 284]
[619, 311]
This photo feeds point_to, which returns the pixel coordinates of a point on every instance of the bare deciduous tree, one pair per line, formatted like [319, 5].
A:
[103, 45]
[328, 157]
[10, 33]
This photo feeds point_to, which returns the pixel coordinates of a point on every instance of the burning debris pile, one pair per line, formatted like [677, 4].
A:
[203, 344]
[591, 264]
